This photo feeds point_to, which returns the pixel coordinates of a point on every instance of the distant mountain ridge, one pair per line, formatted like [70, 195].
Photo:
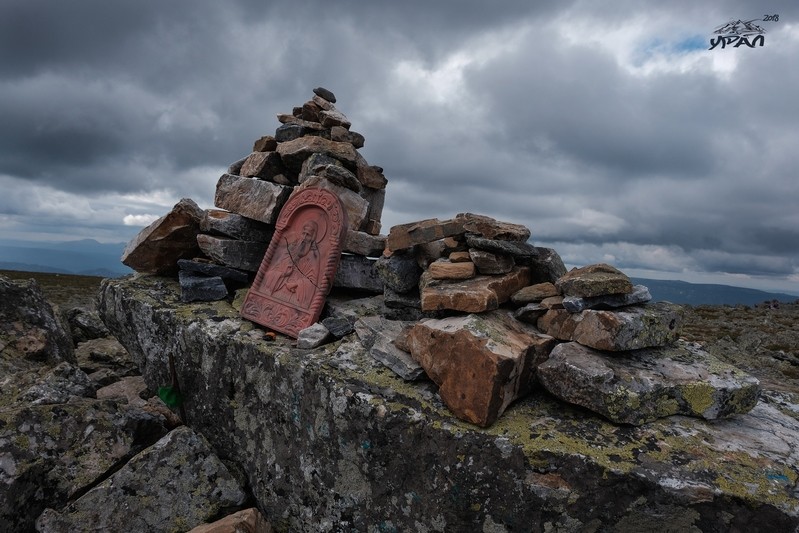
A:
[682, 292]
[85, 257]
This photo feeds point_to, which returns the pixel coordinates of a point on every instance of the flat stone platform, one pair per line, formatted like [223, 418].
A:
[330, 440]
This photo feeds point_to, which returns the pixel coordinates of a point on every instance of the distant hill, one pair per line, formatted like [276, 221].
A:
[85, 257]
[681, 292]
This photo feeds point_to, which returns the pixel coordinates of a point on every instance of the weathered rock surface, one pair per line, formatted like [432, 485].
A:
[421, 232]
[493, 229]
[265, 165]
[242, 255]
[105, 360]
[194, 287]
[234, 225]
[85, 325]
[231, 275]
[594, 280]
[378, 335]
[362, 243]
[313, 336]
[29, 329]
[157, 248]
[332, 440]
[481, 363]
[547, 266]
[444, 269]
[294, 152]
[639, 295]
[174, 485]
[399, 271]
[521, 251]
[481, 293]
[489, 263]
[630, 328]
[247, 521]
[357, 272]
[534, 293]
[253, 198]
[640, 386]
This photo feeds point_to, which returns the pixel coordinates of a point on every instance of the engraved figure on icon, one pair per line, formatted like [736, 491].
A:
[294, 275]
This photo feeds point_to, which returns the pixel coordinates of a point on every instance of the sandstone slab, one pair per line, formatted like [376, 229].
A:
[534, 293]
[481, 293]
[594, 280]
[264, 165]
[521, 251]
[298, 150]
[641, 386]
[157, 248]
[253, 198]
[174, 485]
[490, 263]
[639, 295]
[241, 255]
[406, 235]
[229, 224]
[444, 269]
[370, 176]
[630, 328]
[267, 143]
[341, 134]
[493, 229]
[481, 363]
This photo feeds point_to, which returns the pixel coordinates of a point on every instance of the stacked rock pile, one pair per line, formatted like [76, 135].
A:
[467, 301]
[217, 250]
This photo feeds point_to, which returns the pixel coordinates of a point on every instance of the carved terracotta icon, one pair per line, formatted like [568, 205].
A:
[298, 268]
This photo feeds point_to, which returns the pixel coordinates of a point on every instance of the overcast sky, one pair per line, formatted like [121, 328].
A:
[608, 128]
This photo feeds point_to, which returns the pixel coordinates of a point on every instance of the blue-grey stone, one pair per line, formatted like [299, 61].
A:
[199, 288]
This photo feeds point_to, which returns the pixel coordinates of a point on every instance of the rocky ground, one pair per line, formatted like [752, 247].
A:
[84, 444]
[80, 429]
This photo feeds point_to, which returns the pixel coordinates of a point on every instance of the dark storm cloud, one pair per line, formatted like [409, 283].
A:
[560, 116]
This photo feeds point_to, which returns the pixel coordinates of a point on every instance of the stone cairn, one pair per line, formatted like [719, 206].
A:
[466, 302]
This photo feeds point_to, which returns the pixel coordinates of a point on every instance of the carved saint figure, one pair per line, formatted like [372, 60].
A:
[294, 275]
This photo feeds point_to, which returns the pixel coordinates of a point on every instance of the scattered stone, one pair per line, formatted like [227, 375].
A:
[516, 249]
[476, 295]
[241, 255]
[253, 198]
[247, 521]
[399, 271]
[424, 231]
[547, 266]
[85, 325]
[378, 335]
[643, 385]
[338, 326]
[157, 248]
[51, 453]
[236, 226]
[444, 269]
[534, 293]
[199, 288]
[629, 329]
[493, 229]
[358, 273]
[267, 143]
[313, 336]
[490, 263]
[362, 243]
[174, 485]
[210, 269]
[321, 92]
[62, 383]
[639, 295]
[29, 329]
[594, 280]
[481, 363]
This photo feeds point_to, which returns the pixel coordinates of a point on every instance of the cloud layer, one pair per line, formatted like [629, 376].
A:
[612, 132]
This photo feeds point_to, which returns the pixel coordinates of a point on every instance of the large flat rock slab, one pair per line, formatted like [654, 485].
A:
[330, 438]
[475, 295]
[641, 386]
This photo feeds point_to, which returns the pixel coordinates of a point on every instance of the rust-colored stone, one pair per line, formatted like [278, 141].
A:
[297, 271]
[481, 363]
[481, 293]
[421, 232]
[443, 269]
[594, 280]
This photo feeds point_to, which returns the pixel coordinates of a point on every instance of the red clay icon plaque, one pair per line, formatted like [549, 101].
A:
[298, 268]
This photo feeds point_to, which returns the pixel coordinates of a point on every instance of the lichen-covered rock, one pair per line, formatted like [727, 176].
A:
[639, 295]
[247, 521]
[29, 329]
[482, 363]
[174, 485]
[534, 293]
[399, 271]
[546, 266]
[630, 328]
[59, 385]
[105, 360]
[50, 453]
[85, 325]
[643, 385]
[378, 334]
[332, 440]
[594, 280]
